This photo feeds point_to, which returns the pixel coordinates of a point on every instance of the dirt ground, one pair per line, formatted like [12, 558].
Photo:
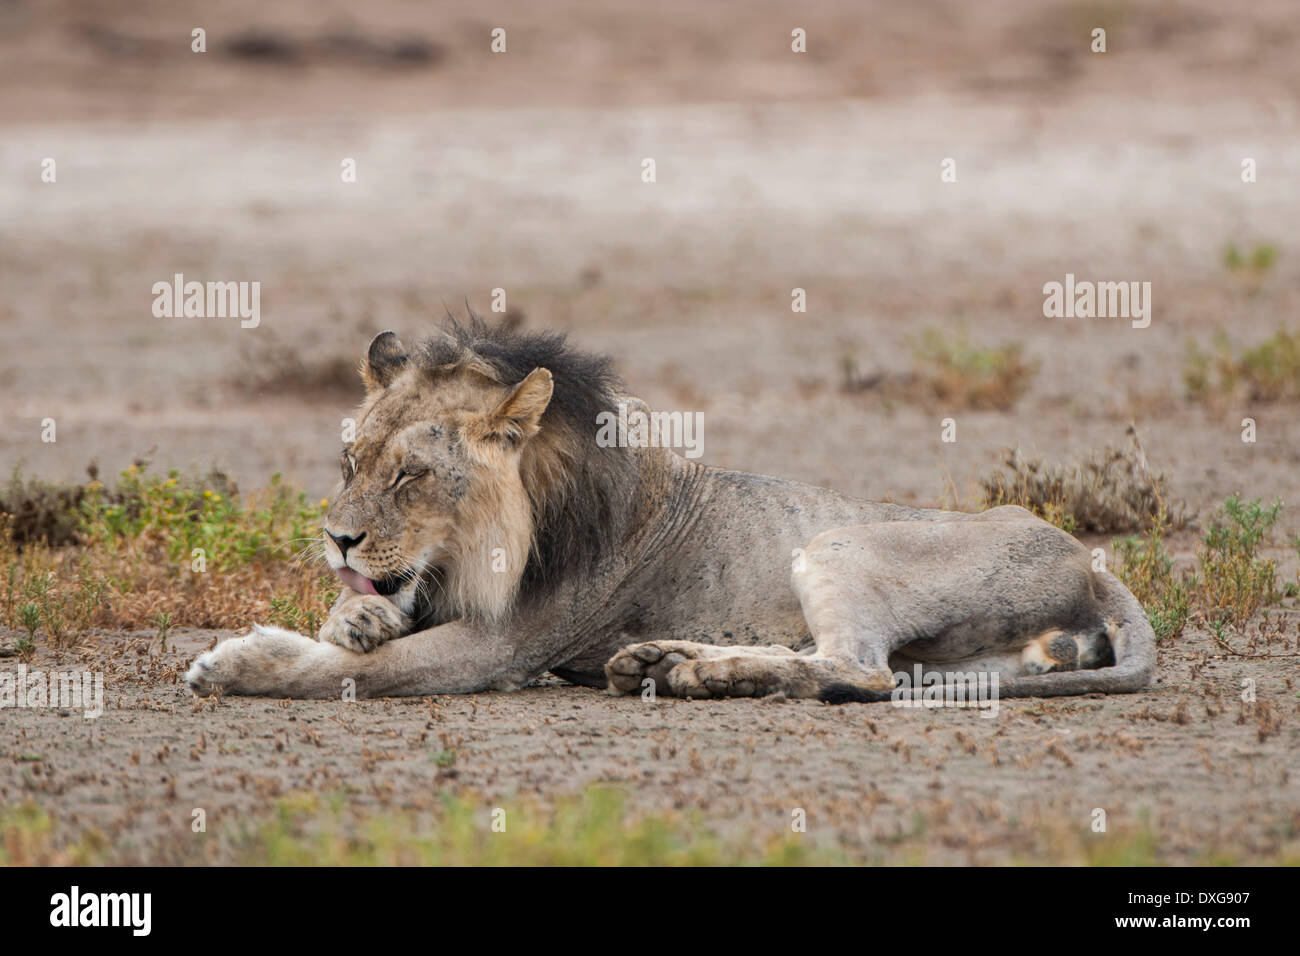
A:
[521, 171]
[1186, 773]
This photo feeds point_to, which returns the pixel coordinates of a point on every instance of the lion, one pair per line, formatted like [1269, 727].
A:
[483, 537]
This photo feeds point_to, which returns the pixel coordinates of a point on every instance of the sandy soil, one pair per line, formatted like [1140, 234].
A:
[774, 172]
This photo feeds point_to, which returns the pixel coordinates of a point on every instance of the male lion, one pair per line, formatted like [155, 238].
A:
[484, 536]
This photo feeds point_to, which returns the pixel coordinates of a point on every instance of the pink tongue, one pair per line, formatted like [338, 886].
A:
[354, 580]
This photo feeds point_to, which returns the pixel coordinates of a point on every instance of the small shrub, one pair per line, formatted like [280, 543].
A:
[287, 612]
[25, 645]
[1234, 580]
[30, 616]
[963, 376]
[1295, 543]
[163, 621]
[1108, 493]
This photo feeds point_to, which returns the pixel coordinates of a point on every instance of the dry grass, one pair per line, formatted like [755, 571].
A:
[1114, 492]
[1117, 493]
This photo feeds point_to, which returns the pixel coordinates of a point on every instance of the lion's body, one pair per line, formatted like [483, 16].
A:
[707, 583]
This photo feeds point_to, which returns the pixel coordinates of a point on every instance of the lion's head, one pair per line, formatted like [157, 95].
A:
[474, 474]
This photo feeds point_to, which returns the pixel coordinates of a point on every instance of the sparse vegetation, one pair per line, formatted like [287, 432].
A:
[286, 611]
[949, 371]
[595, 828]
[1146, 567]
[1267, 372]
[274, 368]
[1116, 492]
[1108, 493]
[964, 376]
[1251, 266]
[165, 550]
[163, 621]
[1231, 584]
[1261, 258]
[1234, 580]
[305, 829]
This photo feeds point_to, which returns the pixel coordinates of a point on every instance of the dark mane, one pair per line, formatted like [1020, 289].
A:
[575, 519]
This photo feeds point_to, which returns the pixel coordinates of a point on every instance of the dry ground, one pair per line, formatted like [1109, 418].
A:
[774, 172]
[1185, 772]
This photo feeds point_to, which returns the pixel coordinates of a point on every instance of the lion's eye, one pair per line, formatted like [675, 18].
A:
[349, 466]
[405, 476]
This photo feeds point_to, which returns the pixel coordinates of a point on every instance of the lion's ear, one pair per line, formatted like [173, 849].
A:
[385, 360]
[519, 416]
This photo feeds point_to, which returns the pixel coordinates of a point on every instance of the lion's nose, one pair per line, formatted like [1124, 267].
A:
[344, 542]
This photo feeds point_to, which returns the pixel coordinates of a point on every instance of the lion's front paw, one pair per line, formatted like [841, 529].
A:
[257, 662]
[363, 623]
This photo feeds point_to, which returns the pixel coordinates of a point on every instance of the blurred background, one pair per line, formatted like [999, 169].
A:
[775, 170]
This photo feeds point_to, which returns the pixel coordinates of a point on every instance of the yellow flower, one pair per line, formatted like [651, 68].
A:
[207, 493]
[324, 502]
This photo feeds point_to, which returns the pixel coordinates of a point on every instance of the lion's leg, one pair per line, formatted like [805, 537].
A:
[998, 592]
[851, 625]
[852, 628]
[1000, 587]
[851, 648]
[452, 658]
